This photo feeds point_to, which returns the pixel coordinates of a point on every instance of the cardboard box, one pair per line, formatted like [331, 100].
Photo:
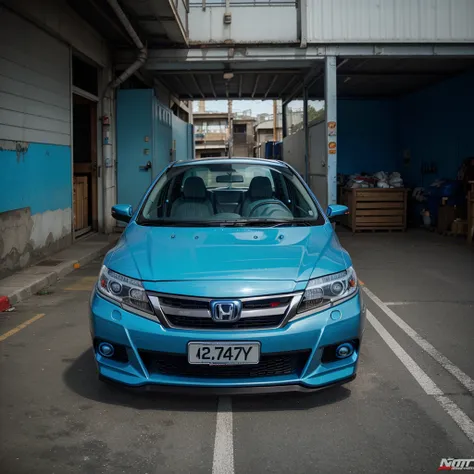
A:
[446, 216]
[459, 227]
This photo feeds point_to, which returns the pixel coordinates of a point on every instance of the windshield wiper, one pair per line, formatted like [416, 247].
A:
[226, 223]
[175, 223]
[277, 223]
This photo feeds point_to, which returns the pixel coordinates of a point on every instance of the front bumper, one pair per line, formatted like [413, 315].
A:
[310, 335]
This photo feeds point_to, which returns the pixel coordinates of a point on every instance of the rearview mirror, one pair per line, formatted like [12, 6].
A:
[334, 210]
[122, 212]
[230, 178]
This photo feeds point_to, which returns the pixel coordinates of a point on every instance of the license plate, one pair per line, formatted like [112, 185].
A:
[223, 353]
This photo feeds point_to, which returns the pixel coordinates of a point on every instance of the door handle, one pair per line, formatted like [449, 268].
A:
[145, 167]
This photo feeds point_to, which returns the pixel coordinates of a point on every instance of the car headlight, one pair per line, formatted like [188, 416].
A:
[126, 291]
[329, 289]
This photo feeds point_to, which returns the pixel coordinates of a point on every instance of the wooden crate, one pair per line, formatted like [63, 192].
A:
[376, 209]
[81, 202]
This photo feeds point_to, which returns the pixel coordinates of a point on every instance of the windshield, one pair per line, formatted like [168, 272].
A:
[232, 194]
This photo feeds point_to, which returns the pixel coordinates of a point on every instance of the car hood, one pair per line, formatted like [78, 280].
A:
[220, 254]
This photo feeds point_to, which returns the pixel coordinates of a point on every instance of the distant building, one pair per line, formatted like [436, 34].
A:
[211, 134]
[264, 133]
[243, 139]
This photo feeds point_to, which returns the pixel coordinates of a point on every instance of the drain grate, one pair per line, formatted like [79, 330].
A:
[49, 263]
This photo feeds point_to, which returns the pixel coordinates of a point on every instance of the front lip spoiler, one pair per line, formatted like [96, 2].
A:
[259, 389]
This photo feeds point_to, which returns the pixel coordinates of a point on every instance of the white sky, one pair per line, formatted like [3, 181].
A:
[256, 106]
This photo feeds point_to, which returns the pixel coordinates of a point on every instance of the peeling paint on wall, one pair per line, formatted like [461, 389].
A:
[25, 238]
[50, 226]
[19, 147]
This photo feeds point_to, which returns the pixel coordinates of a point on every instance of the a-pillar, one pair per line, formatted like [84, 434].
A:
[330, 96]
[306, 134]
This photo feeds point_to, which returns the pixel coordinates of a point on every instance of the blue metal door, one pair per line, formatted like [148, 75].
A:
[162, 137]
[134, 144]
[182, 139]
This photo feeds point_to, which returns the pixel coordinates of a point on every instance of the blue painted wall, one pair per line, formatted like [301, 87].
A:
[437, 125]
[366, 136]
[39, 178]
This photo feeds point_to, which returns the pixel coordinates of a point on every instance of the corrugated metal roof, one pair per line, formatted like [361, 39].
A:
[390, 21]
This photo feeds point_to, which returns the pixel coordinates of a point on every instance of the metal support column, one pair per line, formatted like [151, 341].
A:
[330, 95]
[283, 120]
[306, 134]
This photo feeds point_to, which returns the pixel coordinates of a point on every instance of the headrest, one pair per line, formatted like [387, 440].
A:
[194, 188]
[260, 188]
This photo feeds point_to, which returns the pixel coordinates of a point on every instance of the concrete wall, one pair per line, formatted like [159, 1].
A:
[183, 138]
[293, 151]
[436, 125]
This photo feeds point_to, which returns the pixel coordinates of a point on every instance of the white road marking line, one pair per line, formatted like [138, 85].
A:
[223, 462]
[455, 371]
[426, 383]
[398, 303]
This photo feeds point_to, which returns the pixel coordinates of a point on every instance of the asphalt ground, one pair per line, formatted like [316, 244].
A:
[411, 405]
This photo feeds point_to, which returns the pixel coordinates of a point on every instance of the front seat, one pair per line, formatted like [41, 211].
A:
[260, 189]
[194, 203]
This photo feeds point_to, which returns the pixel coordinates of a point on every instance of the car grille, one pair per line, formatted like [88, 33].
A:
[185, 312]
[208, 323]
[270, 365]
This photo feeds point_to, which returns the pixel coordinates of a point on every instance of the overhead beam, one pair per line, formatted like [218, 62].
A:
[309, 78]
[288, 85]
[108, 19]
[197, 86]
[162, 59]
[389, 75]
[255, 85]
[211, 83]
[183, 87]
[292, 71]
[272, 83]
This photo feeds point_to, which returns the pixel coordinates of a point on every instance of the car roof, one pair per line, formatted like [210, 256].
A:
[243, 160]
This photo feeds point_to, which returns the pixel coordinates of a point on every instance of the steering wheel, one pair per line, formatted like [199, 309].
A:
[272, 207]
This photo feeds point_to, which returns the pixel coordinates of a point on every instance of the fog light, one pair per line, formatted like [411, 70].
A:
[105, 349]
[344, 350]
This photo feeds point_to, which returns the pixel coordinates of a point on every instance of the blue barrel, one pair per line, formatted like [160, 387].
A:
[269, 150]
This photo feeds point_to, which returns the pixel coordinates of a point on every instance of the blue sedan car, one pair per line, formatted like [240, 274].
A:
[228, 278]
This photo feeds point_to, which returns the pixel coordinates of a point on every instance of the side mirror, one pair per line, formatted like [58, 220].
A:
[122, 212]
[335, 210]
